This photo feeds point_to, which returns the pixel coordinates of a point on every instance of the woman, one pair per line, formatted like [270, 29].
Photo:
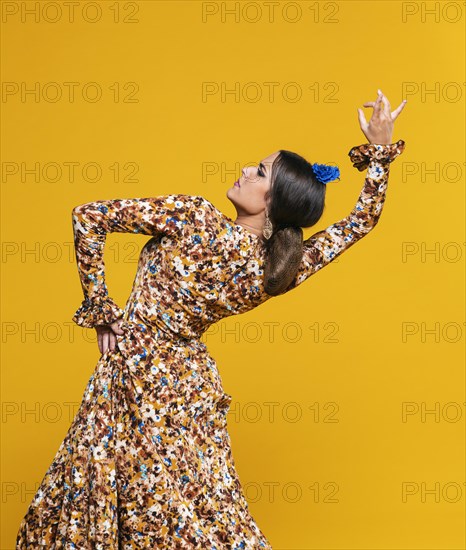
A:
[147, 461]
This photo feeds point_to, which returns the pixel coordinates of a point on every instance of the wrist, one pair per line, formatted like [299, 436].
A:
[381, 141]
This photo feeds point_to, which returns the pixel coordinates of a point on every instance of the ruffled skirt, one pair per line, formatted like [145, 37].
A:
[147, 461]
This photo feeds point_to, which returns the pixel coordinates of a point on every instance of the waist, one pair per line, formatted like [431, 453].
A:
[163, 328]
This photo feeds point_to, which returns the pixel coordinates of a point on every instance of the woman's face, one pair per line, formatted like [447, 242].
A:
[248, 192]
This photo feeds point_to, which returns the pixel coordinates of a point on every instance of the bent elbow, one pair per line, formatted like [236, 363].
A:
[77, 211]
[80, 208]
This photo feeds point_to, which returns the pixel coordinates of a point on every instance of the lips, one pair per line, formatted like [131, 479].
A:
[237, 184]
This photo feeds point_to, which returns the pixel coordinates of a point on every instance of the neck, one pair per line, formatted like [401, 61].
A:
[253, 224]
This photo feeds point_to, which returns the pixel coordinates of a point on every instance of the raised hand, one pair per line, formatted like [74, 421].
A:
[379, 129]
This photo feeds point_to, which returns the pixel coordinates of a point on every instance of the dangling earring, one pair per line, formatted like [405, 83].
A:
[268, 227]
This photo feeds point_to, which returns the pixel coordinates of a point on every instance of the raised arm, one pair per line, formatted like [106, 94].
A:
[171, 215]
[323, 247]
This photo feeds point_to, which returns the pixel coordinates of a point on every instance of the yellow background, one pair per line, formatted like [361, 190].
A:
[332, 480]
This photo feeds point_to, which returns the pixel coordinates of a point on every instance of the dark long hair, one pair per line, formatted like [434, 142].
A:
[296, 199]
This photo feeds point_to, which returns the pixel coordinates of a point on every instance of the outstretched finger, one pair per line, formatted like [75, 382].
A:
[105, 340]
[362, 119]
[386, 106]
[398, 110]
[112, 341]
[368, 104]
[378, 107]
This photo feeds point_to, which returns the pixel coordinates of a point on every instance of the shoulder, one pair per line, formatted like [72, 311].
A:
[196, 211]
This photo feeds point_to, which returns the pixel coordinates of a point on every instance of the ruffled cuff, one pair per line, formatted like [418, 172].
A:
[100, 310]
[361, 155]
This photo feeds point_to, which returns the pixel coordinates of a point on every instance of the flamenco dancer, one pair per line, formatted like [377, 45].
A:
[147, 461]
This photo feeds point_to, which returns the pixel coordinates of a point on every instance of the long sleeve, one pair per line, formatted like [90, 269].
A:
[323, 247]
[170, 215]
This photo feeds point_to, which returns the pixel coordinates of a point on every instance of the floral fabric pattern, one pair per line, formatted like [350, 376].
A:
[147, 461]
[324, 246]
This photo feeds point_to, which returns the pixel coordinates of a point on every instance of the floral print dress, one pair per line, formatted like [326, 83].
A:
[147, 462]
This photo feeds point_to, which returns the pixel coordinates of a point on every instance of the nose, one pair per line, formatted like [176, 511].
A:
[247, 172]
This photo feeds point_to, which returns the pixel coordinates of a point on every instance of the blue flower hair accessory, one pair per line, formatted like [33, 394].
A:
[325, 173]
